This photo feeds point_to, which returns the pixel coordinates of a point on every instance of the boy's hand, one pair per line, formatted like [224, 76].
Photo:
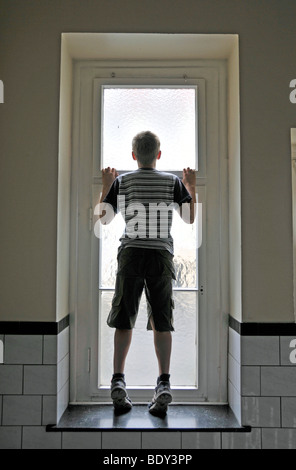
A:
[108, 176]
[189, 178]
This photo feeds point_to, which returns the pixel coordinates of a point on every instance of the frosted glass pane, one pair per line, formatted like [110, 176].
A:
[168, 112]
[110, 235]
[185, 260]
[141, 364]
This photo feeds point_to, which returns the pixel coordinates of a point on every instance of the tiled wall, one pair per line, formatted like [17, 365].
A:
[34, 390]
[262, 385]
[34, 387]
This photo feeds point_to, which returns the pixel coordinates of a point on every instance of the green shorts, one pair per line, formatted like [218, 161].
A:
[141, 269]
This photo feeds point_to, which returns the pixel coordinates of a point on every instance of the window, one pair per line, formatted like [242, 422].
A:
[190, 122]
[171, 113]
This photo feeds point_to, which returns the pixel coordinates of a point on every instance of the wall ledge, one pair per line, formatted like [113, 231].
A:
[33, 327]
[262, 329]
[200, 417]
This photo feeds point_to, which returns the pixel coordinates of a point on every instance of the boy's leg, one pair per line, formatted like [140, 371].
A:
[122, 341]
[123, 314]
[163, 348]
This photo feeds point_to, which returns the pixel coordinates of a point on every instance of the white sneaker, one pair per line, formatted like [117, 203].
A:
[121, 400]
[161, 399]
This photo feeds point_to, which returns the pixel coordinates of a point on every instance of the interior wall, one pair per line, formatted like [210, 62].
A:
[30, 40]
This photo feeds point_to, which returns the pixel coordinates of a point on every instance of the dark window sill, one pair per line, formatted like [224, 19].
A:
[206, 418]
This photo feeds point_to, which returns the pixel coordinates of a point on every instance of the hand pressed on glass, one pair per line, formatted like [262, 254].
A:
[108, 176]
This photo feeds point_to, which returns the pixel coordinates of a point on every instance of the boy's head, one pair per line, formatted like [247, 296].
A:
[146, 148]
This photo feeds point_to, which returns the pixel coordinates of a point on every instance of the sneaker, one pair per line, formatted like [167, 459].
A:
[121, 400]
[162, 397]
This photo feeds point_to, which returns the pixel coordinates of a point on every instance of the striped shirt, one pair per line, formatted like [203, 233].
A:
[146, 199]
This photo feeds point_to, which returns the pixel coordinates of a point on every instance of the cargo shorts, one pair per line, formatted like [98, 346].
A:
[141, 269]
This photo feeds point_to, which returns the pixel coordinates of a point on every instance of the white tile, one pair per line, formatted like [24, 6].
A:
[49, 409]
[278, 381]
[62, 400]
[21, 410]
[1, 349]
[201, 440]
[63, 372]
[288, 354]
[63, 343]
[161, 440]
[10, 437]
[234, 399]
[278, 439]
[260, 350]
[11, 379]
[288, 412]
[242, 440]
[49, 349]
[81, 440]
[261, 411]
[36, 437]
[121, 440]
[250, 380]
[234, 372]
[40, 380]
[234, 344]
[23, 349]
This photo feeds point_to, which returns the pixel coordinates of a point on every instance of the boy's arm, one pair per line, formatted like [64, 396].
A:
[106, 212]
[189, 183]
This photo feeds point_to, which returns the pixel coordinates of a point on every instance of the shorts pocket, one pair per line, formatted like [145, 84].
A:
[167, 265]
[113, 317]
[126, 263]
[116, 301]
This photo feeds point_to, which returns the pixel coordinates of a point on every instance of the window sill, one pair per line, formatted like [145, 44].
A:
[95, 417]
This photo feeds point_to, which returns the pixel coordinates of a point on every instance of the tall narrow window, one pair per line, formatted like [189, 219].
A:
[185, 105]
[171, 113]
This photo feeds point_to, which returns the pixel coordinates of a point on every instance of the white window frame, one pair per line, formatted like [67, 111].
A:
[212, 187]
[293, 181]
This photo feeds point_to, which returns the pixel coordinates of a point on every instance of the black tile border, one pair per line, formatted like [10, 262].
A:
[262, 329]
[33, 327]
[54, 328]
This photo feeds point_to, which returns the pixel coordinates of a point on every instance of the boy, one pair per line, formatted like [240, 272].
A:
[145, 259]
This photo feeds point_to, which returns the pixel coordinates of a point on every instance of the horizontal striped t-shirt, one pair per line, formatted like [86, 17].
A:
[146, 199]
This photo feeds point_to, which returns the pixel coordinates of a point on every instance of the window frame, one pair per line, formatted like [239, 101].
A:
[211, 78]
[293, 184]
